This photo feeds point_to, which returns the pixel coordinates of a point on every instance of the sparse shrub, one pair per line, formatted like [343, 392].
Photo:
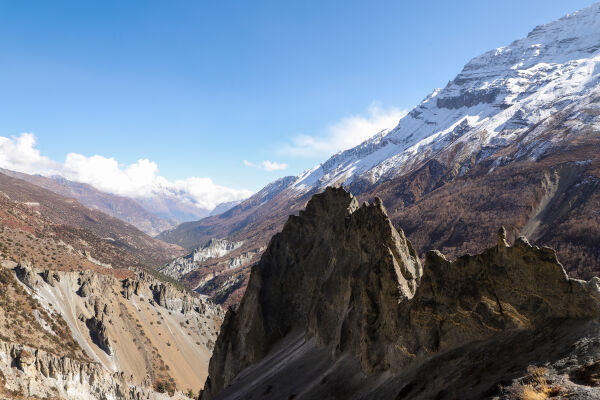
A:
[534, 386]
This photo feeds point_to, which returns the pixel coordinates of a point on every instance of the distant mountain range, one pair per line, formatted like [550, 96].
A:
[513, 140]
[150, 215]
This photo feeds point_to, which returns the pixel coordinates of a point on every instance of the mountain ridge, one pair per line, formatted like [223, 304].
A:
[507, 123]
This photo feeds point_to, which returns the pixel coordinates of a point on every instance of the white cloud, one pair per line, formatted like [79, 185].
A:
[20, 154]
[346, 133]
[139, 179]
[267, 165]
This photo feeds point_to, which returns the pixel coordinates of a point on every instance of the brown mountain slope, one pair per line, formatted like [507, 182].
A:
[554, 200]
[124, 208]
[107, 239]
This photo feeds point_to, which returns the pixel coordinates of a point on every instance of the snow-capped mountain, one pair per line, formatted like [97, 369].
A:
[513, 140]
[497, 97]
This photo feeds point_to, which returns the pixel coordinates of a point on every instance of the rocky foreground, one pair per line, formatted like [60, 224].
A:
[340, 307]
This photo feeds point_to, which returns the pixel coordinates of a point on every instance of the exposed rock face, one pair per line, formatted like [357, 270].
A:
[159, 292]
[244, 258]
[50, 277]
[42, 375]
[98, 327]
[475, 297]
[215, 248]
[339, 307]
[337, 272]
[130, 287]
[26, 274]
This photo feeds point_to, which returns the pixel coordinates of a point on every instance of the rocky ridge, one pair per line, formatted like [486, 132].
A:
[340, 307]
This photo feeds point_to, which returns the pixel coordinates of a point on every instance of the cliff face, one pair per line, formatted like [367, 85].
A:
[315, 276]
[340, 307]
[28, 371]
[506, 287]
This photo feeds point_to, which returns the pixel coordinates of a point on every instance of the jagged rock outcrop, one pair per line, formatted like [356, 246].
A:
[339, 307]
[215, 248]
[98, 325]
[130, 287]
[337, 272]
[244, 259]
[475, 297]
[159, 293]
[43, 375]
[27, 274]
[99, 333]
[50, 277]
[93, 284]
[165, 295]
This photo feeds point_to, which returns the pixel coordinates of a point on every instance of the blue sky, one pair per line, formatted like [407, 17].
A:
[198, 87]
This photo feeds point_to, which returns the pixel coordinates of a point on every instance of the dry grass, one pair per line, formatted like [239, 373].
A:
[535, 385]
[531, 393]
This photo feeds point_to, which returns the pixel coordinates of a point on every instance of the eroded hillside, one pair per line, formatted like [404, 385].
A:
[156, 337]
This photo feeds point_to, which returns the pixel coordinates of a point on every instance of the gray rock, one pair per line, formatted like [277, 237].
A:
[339, 307]
[26, 274]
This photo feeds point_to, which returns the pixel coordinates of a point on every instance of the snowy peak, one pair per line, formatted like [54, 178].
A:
[575, 32]
[573, 37]
[493, 103]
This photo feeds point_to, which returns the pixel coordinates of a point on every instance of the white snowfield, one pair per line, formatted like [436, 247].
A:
[502, 97]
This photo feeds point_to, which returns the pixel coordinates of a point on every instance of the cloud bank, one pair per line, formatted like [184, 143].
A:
[266, 165]
[137, 180]
[346, 133]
